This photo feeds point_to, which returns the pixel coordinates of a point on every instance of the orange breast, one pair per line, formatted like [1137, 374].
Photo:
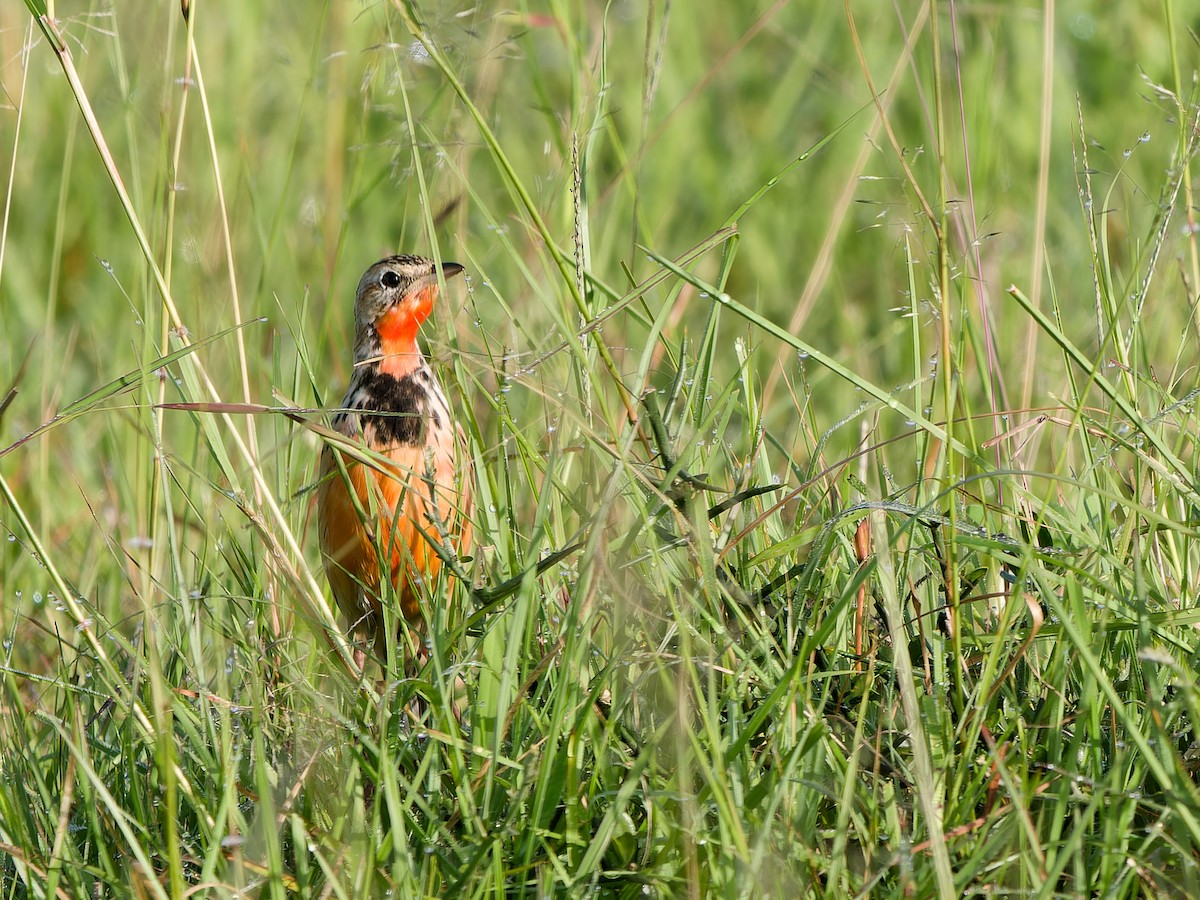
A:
[372, 520]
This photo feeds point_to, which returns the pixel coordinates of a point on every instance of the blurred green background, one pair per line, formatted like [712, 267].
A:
[683, 124]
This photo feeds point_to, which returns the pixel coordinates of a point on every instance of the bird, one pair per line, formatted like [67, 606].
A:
[380, 514]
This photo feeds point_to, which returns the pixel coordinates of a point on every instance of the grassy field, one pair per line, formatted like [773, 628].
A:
[841, 349]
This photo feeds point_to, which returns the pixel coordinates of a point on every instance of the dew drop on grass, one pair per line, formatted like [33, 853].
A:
[37, 596]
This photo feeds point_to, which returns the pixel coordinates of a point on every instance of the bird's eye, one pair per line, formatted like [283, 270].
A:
[390, 279]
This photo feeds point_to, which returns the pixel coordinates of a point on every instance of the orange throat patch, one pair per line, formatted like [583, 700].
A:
[397, 330]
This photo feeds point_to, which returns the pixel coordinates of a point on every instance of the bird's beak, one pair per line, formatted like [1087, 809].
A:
[430, 281]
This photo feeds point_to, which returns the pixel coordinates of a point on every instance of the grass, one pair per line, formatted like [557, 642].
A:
[836, 368]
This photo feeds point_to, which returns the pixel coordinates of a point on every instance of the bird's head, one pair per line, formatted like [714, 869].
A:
[394, 297]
